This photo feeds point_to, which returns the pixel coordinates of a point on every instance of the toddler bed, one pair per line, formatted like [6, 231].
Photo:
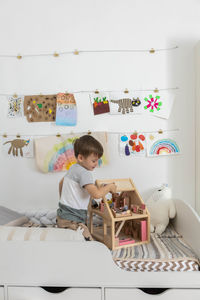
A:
[87, 270]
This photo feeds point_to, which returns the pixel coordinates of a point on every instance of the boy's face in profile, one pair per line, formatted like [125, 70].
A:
[90, 162]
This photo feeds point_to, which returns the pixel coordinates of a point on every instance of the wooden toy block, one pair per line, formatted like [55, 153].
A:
[143, 230]
[126, 220]
[126, 242]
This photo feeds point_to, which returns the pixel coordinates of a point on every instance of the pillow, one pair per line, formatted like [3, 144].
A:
[11, 217]
[16, 233]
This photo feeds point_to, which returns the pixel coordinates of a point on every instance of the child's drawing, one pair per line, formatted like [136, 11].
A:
[158, 104]
[15, 106]
[153, 103]
[55, 154]
[159, 144]
[40, 108]
[100, 103]
[125, 103]
[66, 112]
[22, 146]
[132, 144]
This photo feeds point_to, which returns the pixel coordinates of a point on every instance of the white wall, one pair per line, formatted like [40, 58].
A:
[30, 27]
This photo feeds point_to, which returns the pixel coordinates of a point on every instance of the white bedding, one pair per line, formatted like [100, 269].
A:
[15, 233]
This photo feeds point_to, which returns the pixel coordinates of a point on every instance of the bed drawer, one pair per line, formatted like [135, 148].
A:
[170, 294]
[33, 293]
[1, 293]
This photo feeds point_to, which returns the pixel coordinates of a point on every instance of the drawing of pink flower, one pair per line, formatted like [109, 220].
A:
[153, 103]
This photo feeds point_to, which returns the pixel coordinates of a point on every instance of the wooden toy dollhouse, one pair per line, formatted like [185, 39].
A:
[125, 218]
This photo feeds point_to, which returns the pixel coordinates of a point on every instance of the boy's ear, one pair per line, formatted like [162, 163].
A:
[80, 157]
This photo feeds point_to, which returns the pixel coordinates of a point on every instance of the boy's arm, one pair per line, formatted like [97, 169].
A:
[60, 186]
[99, 192]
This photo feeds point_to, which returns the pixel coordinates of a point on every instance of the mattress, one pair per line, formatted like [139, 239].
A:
[165, 252]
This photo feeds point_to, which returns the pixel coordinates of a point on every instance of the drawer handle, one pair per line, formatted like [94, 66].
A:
[54, 289]
[153, 291]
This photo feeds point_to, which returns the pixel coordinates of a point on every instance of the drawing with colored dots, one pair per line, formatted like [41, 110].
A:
[66, 111]
[40, 108]
[132, 144]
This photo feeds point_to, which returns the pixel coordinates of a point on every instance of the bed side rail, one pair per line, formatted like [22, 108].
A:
[187, 223]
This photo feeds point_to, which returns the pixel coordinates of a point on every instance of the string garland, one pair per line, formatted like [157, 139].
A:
[126, 91]
[77, 52]
[160, 131]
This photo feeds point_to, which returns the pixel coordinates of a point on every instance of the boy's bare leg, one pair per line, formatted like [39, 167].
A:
[62, 223]
[86, 232]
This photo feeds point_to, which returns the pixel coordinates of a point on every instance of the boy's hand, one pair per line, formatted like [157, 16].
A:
[100, 192]
[113, 188]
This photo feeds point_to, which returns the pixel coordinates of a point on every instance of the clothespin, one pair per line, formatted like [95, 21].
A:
[15, 95]
[89, 132]
[58, 135]
[19, 56]
[76, 52]
[5, 135]
[151, 136]
[160, 131]
[156, 90]
[126, 91]
[56, 54]
[152, 50]
[18, 135]
[96, 92]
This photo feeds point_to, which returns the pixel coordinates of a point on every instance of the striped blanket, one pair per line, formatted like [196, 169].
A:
[166, 252]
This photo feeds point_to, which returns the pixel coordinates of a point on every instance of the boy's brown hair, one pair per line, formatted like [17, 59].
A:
[87, 145]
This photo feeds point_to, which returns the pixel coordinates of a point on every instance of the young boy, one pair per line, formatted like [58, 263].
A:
[77, 186]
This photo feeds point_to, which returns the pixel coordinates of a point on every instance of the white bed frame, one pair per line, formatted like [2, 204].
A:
[88, 270]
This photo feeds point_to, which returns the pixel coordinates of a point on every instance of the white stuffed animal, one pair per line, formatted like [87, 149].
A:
[161, 207]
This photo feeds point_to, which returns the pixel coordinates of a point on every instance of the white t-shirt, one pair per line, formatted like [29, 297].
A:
[73, 192]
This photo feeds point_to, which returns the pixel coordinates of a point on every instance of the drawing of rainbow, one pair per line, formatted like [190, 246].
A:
[61, 157]
[164, 147]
